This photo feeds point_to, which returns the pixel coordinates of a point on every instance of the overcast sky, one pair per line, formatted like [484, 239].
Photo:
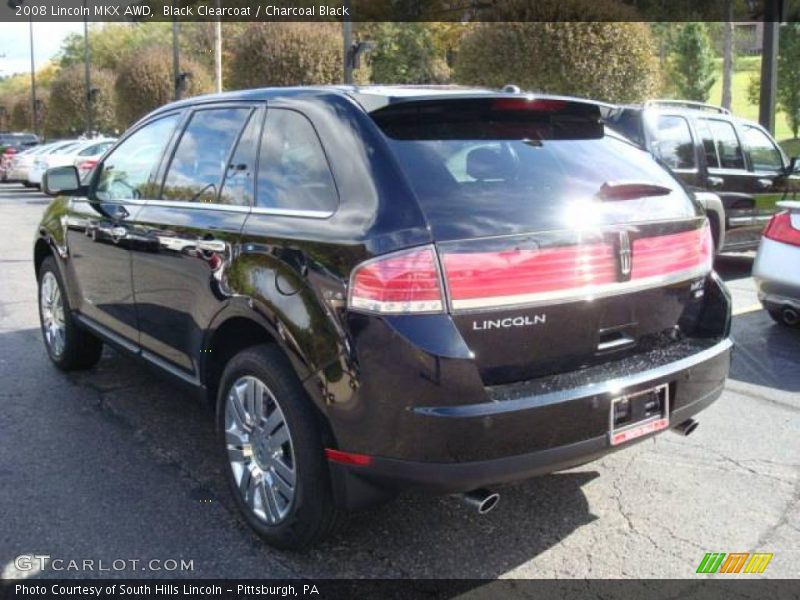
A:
[15, 54]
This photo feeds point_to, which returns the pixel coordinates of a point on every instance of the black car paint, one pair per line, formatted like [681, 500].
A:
[377, 381]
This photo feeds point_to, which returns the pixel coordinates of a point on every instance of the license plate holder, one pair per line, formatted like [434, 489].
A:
[638, 414]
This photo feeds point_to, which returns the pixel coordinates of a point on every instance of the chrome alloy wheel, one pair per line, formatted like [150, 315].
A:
[260, 449]
[52, 307]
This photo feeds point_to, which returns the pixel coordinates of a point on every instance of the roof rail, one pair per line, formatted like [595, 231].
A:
[688, 104]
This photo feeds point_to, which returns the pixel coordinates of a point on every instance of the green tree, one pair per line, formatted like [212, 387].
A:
[283, 53]
[407, 53]
[789, 75]
[145, 82]
[612, 61]
[693, 69]
[69, 87]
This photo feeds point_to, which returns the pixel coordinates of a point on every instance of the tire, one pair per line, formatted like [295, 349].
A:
[69, 347]
[779, 316]
[268, 447]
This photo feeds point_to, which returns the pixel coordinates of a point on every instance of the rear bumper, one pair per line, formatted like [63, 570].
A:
[777, 274]
[580, 414]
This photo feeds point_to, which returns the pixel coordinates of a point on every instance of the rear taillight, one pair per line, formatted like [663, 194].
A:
[404, 282]
[477, 280]
[780, 229]
[87, 165]
[674, 253]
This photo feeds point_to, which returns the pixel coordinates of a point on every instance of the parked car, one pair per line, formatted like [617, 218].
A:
[17, 141]
[388, 288]
[711, 150]
[12, 144]
[86, 159]
[57, 155]
[20, 163]
[777, 265]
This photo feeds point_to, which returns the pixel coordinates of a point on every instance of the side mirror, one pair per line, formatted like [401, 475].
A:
[794, 165]
[62, 180]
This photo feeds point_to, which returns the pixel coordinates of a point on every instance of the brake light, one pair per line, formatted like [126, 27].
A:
[539, 105]
[404, 282]
[780, 229]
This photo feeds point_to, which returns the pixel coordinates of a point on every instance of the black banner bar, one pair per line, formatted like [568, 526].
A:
[394, 10]
[741, 587]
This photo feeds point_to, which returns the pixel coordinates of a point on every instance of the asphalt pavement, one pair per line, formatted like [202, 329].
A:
[118, 464]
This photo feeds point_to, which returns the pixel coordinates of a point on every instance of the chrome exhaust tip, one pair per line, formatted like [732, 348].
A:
[790, 316]
[481, 500]
[686, 428]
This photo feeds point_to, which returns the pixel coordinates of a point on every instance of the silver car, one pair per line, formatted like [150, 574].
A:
[777, 265]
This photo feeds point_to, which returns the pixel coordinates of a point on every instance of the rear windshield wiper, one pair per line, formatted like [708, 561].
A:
[630, 190]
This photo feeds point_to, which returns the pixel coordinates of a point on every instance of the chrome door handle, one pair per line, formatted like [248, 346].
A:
[764, 184]
[115, 233]
[715, 181]
[217, 246]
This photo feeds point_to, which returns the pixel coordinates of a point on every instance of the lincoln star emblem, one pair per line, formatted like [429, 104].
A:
[624, 252]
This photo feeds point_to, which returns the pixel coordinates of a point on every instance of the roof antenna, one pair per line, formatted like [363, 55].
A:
[510, 88]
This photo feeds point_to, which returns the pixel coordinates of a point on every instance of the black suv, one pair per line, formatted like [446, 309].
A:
[389, 288]
[711, 150]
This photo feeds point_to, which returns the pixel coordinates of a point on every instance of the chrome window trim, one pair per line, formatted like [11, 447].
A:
[256, 210]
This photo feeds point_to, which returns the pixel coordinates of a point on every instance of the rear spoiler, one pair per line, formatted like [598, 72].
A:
[490, 116]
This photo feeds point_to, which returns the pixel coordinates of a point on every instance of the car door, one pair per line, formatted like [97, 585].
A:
[727, 170]
[192, 229]
[766, 162]
[101, 227]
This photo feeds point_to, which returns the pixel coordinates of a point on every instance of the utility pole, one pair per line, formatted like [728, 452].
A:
[34, 103]
[218, 52]
[347, 37]
[87, 75]
[769, 65]
[176, 59]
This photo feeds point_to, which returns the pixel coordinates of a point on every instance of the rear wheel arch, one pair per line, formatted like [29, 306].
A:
[237, 332]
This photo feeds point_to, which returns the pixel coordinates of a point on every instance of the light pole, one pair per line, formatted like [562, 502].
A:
[87, 74]
[218, 52]
[773, 10]
[347, 38]
[176, 59]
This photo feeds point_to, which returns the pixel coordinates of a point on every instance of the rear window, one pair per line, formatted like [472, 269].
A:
[503, 175]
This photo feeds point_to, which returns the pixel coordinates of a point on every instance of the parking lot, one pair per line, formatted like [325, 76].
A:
[116, 463]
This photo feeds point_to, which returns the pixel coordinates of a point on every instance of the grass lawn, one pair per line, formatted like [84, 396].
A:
[745, 67]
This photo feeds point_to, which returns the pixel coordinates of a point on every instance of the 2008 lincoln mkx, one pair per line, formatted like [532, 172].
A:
[314, 262]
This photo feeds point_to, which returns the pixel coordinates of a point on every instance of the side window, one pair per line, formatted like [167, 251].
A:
[764, 156]
[200, 160]
[674, 144]
[729, 152]
[293, 172]
[127, 170]
[240, 175]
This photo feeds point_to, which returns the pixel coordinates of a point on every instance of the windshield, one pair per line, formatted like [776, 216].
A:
[476, 187]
